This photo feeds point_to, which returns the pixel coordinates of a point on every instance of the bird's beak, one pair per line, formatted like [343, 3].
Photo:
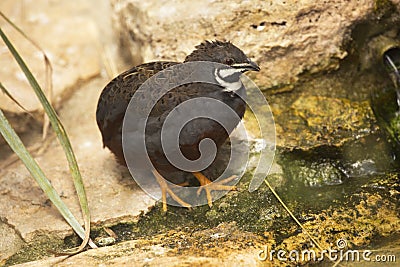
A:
[250, 65]
[253, 66]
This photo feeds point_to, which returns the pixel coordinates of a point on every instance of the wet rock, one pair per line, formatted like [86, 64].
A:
[316, 120]
[316, 174]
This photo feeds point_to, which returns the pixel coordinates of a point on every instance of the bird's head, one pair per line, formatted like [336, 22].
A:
[224, 53]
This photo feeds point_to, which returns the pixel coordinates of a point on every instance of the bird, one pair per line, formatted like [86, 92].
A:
[116, 95]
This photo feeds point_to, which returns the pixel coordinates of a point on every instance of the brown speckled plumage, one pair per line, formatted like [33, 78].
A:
[115, 98]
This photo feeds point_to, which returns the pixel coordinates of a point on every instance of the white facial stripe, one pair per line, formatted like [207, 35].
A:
[223, 73]
[240, 65]
[228, 87]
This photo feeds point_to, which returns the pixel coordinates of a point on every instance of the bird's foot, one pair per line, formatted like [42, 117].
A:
[165, 189]
[208, 186]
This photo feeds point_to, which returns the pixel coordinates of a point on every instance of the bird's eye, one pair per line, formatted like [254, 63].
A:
[229, 61]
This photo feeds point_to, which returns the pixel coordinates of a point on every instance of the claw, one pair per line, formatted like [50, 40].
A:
[165, 189]
[208, 186]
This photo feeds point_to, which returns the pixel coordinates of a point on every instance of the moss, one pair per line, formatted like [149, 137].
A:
[384, 104]
[241, 207]
[42, 245]
[244, 220]
[359, 217]
[394, 128]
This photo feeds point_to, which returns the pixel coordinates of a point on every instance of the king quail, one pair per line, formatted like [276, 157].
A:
[115, 97]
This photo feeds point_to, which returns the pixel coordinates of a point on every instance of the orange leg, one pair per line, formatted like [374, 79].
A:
[208, 186]
[165, 189]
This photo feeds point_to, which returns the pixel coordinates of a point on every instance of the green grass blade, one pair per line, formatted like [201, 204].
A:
[18, 147]
[60, 132]
[292, 215]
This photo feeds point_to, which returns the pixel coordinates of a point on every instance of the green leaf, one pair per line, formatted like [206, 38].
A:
[65, 143]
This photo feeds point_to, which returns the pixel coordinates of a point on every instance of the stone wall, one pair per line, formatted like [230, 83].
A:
[287, 38]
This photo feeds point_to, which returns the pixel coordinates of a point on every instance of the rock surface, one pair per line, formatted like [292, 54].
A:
[112, 194]
[167, 250]
[287, 38]
[54, 34]
[69, 33]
